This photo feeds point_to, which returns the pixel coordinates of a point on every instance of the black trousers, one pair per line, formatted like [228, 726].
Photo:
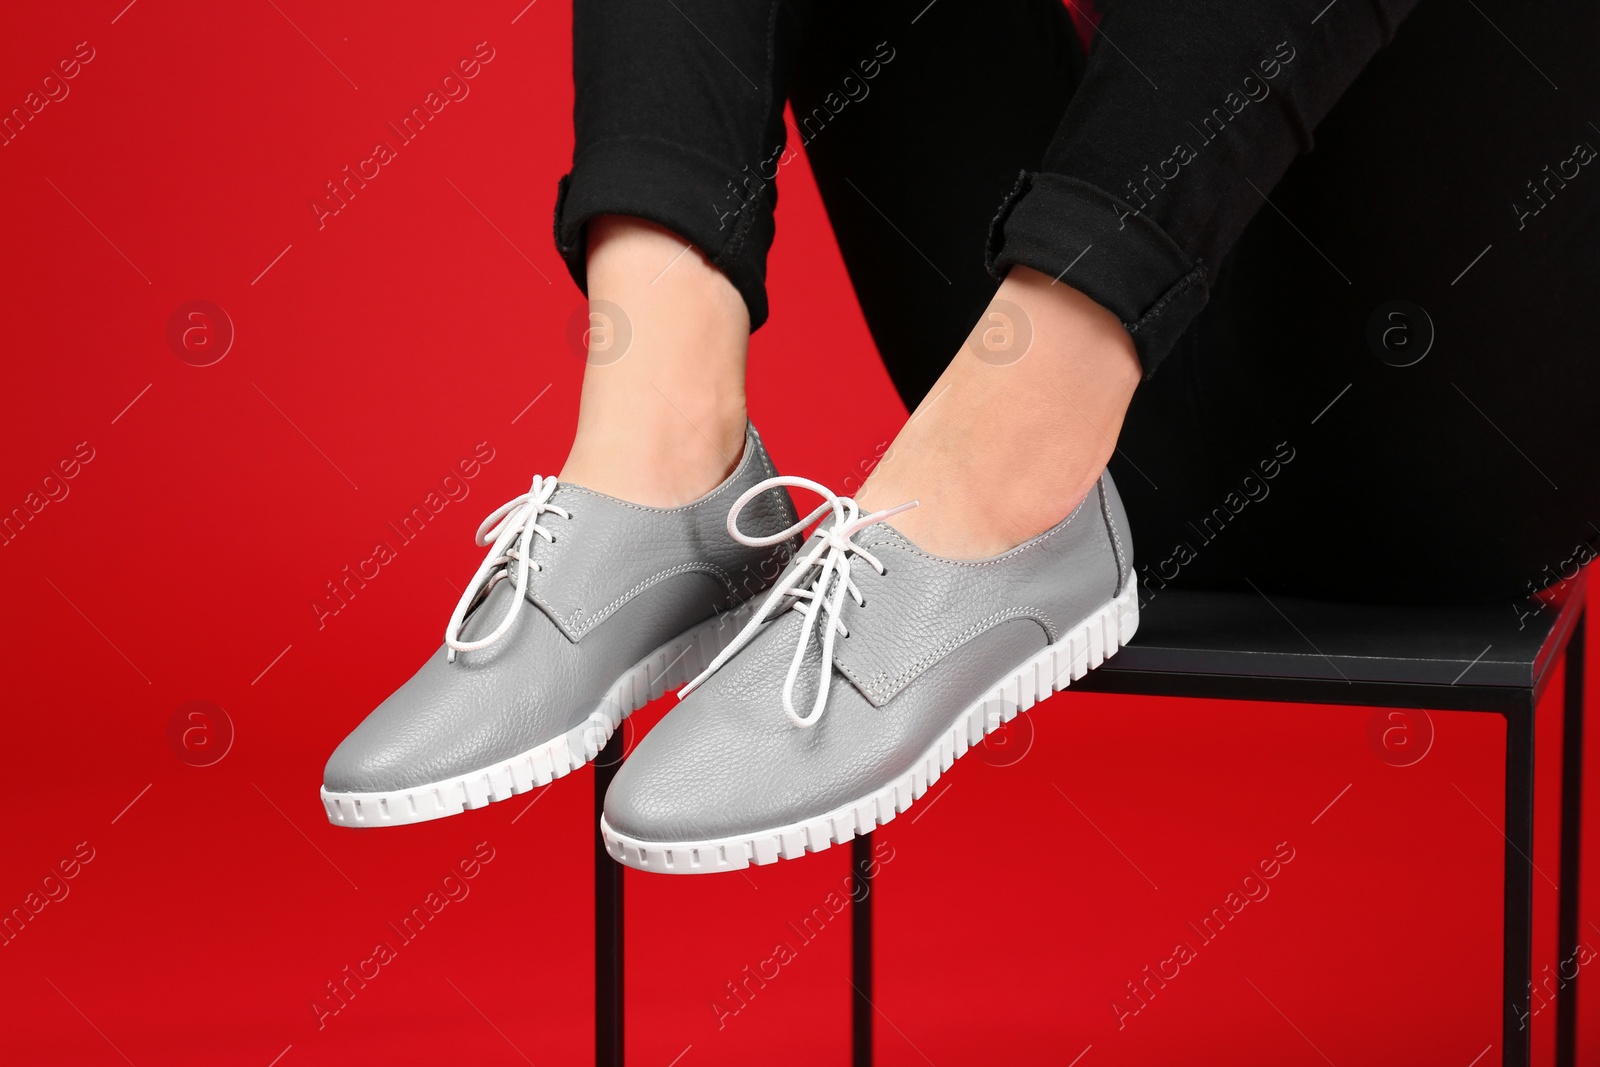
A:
[1389, 394]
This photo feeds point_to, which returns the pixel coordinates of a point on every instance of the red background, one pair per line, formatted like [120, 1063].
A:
[370, 356]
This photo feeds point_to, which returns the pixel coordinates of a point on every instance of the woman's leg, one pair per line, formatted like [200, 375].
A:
[661, 422]
[1472, 474]
[917, 120]
[1468, 476]
[1002, 450]
[665, 221]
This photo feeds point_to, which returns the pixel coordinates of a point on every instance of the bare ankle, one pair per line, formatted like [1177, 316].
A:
[1009, 443]
[656, 462]
[662, 418]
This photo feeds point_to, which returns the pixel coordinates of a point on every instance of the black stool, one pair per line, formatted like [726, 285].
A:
[1249, 646]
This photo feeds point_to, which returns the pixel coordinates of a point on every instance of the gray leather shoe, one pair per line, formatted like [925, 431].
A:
[585, 608]
[870, 667]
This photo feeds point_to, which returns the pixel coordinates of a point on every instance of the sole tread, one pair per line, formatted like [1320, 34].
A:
[1085, 647]
[538, 767]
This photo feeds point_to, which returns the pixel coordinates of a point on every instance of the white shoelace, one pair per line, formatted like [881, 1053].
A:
[832, 553]
[510, 528]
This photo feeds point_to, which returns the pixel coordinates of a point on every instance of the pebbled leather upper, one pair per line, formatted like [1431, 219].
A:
[937, 604]
[619, 581]
[933, 636]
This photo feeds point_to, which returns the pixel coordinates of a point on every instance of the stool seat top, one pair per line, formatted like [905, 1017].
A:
[1255, 634]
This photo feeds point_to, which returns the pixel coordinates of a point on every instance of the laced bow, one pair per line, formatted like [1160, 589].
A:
[823, 592]
[510, 529]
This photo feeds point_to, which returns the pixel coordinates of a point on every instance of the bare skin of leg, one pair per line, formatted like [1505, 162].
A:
[1004, 447]
[662, 423]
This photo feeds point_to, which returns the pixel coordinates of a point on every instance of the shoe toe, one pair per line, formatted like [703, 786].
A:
[447, 720]
[665, 792]
[372, 759]
[727, 762]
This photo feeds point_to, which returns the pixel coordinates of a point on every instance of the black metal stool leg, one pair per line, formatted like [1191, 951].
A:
[608, 1000]
[1519, 886]
[1571, 851]
[861, 951]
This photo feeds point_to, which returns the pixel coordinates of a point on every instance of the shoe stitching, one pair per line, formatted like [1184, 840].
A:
[875, 687]
[569, 622]
[760, 459]
[1116, 539]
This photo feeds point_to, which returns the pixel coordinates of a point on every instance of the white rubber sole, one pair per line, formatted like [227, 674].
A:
[673, 664]
[1082, 649]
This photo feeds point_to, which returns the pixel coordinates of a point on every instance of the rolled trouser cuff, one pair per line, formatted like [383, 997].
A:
[1086, 238]
[690, 194]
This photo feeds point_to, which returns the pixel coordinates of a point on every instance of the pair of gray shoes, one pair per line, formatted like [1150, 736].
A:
[829, 683]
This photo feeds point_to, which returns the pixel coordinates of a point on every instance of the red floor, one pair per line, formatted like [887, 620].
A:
[183, 913]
